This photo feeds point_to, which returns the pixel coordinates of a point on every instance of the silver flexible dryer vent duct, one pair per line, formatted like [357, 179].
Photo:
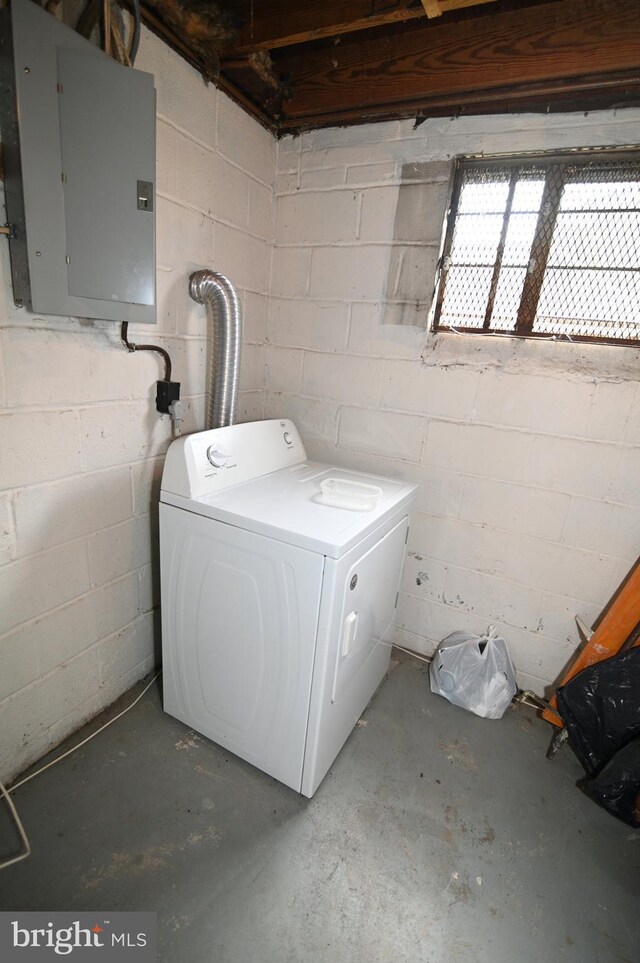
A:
[216, 291]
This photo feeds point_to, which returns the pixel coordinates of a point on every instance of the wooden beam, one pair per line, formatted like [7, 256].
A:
[447, 5]
[432, 8]
[550, 46]
[603, 93]
[272, 24]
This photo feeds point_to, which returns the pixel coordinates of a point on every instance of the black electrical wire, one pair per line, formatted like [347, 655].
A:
[130, 346]
[135, 36]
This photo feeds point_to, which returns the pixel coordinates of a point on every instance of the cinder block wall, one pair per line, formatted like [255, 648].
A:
[526, 453]
[82, 444]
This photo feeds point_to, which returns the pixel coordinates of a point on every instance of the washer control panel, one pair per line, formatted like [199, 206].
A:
[209, 461]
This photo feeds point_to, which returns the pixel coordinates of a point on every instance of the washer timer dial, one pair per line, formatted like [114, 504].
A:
[217, 458]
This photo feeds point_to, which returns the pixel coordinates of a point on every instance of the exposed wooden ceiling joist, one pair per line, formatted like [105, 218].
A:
[435, 8]
[437, 61]
[271, 24]
[432, 8]
[314, 63]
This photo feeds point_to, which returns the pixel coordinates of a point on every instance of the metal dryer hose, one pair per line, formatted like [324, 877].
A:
[216, 291]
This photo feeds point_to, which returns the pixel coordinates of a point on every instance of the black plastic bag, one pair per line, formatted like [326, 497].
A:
[600, 708]
[617, 787]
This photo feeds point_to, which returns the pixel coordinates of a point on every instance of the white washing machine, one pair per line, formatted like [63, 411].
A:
[279, 585]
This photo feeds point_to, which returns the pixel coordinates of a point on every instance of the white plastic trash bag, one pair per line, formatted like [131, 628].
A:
[475, 672]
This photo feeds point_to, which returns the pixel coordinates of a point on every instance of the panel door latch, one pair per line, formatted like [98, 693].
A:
[145, 195]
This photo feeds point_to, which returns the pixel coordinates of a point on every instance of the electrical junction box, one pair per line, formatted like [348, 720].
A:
[78, 135]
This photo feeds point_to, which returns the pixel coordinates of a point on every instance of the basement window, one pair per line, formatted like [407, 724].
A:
[545, 246]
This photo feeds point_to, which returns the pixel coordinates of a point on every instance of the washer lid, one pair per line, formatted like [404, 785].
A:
[289, 505]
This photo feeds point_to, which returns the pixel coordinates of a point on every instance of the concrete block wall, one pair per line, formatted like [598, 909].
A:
[82, 444]
[528, 510]
[526, 454]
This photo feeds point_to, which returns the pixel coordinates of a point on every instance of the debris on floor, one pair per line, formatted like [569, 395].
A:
[475, 672]
[600, 708]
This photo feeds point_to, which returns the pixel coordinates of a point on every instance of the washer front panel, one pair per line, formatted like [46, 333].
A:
[239, 622]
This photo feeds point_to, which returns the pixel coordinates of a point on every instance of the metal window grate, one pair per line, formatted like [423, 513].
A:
[544, 248]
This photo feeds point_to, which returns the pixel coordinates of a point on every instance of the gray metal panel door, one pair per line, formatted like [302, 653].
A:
[30, 43]
[107, 115]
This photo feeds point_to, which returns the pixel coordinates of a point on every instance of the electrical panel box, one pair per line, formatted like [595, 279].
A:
[78, 135]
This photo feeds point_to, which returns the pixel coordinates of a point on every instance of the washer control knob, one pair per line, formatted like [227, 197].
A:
[287, 437]
[217, 458]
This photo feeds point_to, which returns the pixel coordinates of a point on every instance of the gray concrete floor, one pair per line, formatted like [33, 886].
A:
[437, 837]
